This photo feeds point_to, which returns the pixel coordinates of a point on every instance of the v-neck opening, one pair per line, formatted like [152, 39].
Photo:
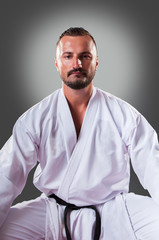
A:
[85, 115]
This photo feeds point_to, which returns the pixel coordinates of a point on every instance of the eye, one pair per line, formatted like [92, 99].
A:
[67, 56]
[86, 56]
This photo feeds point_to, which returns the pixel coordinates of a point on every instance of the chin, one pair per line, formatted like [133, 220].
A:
[79, 84]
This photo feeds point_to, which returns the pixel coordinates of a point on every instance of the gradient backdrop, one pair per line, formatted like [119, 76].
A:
[127, 37]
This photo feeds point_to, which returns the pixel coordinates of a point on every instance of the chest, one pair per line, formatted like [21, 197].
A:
[78, 117]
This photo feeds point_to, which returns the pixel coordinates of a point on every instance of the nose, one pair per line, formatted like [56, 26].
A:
[77, 63]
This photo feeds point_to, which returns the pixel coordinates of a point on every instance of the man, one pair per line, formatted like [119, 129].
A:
[83, 139]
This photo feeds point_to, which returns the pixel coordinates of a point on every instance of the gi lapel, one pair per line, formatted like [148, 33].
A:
[67, 125]
[76, 149]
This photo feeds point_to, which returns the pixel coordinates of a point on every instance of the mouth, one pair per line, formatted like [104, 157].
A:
[76, 72]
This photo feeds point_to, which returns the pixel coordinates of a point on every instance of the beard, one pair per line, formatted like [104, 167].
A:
[78, 83]
[81, 81]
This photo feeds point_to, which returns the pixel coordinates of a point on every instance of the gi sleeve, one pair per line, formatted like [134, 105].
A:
[17, 158]
[144, 154]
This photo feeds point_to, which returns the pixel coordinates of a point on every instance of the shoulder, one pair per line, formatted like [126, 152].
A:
[122, 114]
[125, 117]
[116, 104]
[34, 117]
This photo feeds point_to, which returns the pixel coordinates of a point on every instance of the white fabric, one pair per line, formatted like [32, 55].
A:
[126, 217]
[91, 170]
[144, 216]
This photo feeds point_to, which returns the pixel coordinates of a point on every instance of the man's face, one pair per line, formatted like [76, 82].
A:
[76, 60]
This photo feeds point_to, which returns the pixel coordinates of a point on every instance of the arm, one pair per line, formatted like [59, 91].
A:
[144, 154]
[17, 158]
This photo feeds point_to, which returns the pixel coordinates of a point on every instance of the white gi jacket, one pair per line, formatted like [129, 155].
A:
[91, 170]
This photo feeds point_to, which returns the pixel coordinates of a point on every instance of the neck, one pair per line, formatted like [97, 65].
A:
[78, 98]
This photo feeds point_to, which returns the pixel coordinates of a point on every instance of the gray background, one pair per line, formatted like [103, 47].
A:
[127, 37]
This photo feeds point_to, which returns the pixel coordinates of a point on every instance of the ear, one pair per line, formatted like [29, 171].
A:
[97, 61]
[56, 64]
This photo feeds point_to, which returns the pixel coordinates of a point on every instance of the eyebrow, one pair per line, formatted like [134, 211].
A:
[67, 53]
[80, 53]
[86, 52]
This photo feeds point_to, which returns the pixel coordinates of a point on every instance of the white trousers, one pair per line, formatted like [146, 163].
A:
[127, 217]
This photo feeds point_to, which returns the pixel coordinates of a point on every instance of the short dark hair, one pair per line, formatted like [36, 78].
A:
[76, 31]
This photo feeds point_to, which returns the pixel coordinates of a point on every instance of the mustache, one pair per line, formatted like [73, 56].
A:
[76, 70]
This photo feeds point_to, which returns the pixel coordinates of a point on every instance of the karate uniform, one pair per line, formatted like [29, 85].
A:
[91, 170]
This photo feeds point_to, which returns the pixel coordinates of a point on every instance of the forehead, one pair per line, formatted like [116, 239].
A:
[76, 44]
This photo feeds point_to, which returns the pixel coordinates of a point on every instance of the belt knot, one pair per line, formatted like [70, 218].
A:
[70, 207]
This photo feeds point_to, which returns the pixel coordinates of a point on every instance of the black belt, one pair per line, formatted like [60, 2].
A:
[69, 208]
